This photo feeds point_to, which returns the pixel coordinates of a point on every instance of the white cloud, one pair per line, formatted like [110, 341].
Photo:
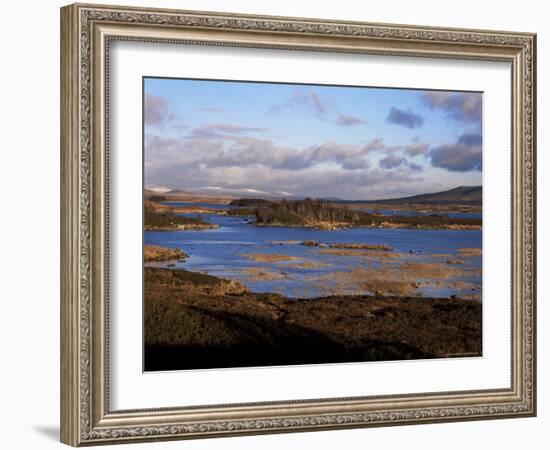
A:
[252, 165]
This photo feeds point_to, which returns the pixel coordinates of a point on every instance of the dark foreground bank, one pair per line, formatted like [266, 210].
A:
[196, 321]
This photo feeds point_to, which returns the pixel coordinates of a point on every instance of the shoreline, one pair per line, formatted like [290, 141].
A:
[418, 207]
[323, 227]
[420, 222]
[384, 225]
[157, 253]
[191, 226]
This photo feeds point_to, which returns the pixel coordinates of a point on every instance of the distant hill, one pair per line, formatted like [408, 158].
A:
[462, 195]
[180, 195]
[149, 192]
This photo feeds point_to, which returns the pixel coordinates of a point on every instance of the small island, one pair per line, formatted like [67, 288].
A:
[161, 218]
[325, 215]
[156, 253]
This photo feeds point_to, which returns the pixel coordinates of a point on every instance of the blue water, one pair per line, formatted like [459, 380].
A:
[222, 252]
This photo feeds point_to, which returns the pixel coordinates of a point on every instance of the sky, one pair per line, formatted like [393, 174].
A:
[292, 140]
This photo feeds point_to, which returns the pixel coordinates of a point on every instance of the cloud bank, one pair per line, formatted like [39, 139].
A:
[466, 107]
[406, 118]
[338, 157]
[462, 156]
[240, 161]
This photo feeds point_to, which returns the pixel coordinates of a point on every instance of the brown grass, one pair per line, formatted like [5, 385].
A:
[391, 287]
[439, 226]
[343, 252]
[255, 274]
[195, 210]
[307, 265]
[157, 253]
[469, 251]
[463, 285]
[380, 281]
[421, 208]
[374, 254]
[474, 297]
[383, 255]
[381, 247]
[336, 252]
[428, 270]
[196, 321]
[270, 257]
[399, 280]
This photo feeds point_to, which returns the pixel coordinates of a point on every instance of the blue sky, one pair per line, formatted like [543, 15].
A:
[309, 140]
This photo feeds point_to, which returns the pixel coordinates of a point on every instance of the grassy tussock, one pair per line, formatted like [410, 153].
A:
[270, 257]
[158, 253]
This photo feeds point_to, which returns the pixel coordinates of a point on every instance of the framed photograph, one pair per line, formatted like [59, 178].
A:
[276, 224]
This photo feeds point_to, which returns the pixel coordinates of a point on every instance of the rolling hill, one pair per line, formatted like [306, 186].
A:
[462, 195]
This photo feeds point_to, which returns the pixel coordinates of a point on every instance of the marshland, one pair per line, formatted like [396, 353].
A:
[336, 286]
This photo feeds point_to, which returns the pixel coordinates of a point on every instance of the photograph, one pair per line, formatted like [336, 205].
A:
[285, 221]
[290, 224]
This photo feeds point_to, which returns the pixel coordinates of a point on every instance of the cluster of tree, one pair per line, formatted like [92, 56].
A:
[154, 218]
[311, 212]
[250, 202]
[305, 211]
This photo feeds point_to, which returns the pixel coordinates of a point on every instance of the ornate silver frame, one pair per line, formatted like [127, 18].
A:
[86, 31]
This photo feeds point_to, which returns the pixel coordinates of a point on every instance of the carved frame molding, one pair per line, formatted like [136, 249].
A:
[86, 32]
